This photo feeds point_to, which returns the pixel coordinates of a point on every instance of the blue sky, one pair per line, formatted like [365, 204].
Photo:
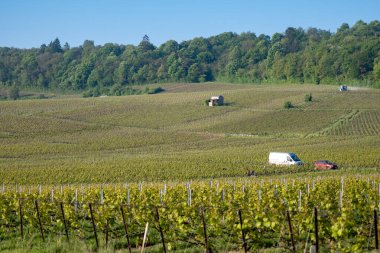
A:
[30, 23]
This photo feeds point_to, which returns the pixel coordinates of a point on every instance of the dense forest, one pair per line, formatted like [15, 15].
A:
[351, 55]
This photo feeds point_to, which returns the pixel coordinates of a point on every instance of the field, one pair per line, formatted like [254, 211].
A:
[174, 136]
[72, 164]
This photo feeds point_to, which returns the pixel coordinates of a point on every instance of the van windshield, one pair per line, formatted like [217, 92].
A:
[294, 157]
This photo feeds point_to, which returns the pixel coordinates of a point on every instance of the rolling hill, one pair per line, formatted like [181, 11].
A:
[174, 136]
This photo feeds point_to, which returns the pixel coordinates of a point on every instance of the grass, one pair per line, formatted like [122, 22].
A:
[174, 136]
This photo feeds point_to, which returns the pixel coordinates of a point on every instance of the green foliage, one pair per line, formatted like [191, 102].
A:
[119, 90]
[376, 70]
[41, 96]
[308, 98]
[154, 90]
[94, 92]
[90, 144]
[288, 105]
[132, 91]
[295, 56]
[226, 206]
[14, 92]
[55, 46]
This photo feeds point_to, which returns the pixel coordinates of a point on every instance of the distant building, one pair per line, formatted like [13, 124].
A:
[343, 88]
[216, 101]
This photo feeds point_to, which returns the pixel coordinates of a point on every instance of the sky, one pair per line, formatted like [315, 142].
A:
[31, 23]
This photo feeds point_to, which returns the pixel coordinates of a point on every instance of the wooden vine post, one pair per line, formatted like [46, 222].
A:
[126, 229]
[21, 219]
[39, 220]
[107, 229]
[144, 239]
[93, 225]
[291, 231]
[242, 232]
[375, 217]
[64, 221]
[316, 229]
[157, 217]
[208, 250]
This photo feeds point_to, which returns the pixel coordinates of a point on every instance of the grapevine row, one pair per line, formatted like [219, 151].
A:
[226, 210]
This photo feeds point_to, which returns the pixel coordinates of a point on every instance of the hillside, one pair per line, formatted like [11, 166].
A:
[350, 55]
[174, 136]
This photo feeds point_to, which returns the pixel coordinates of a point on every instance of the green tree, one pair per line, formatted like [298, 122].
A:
[66, 47]
[288, 105]
[81, 74]
[169, 47]
[14, 92]
[55, 46]
[145, 44]
[194, 73]
[376, 70]
[315, 56]
[117, 90]
[162, 73]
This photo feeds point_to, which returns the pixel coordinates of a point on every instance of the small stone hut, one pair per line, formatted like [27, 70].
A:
[216, 101]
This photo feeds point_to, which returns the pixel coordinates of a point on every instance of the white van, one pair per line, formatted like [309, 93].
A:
[279, 158]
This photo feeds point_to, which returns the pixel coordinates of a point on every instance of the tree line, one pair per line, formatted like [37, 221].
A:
[350, 55]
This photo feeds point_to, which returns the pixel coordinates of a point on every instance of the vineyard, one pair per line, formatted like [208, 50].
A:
[174, 136]
[364, 123]
[167, 173]
[247, 214]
